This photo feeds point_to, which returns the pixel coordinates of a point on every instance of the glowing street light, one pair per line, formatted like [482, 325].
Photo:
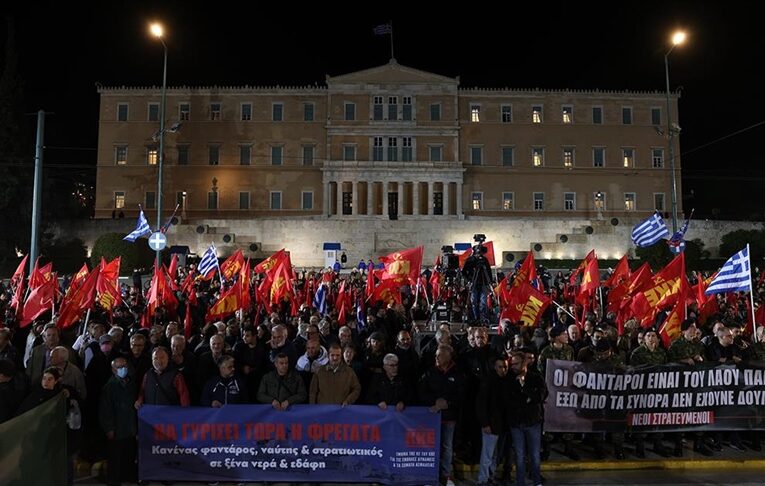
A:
[158, 32]
[678, 38]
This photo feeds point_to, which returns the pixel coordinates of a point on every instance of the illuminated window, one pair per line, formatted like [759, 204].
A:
[536, 114]
[599, 199]
[568, 114]
[477, 198]
[538, 156]
[507, 201]
[120, 154]
[475, 113]
[568, 158]
[152, 155]
[628, 157]
[629, 201]
[119, 199]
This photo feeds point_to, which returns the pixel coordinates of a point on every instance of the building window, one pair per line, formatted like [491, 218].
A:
[214, 111]
[658, 158]
[476, 155]
[349, 152]
[276, 199]
[180, 199]
[536, 114]
[377, 108]
[152, 155]
[597, 115]
[568, 114]
[539, 201]
[244, 200]
[599, 199]
[626, 115]
[656, 117]
[568, 157]
[150, 201]
[184, 111]
[119, 199]
[507, 201]
[629, 201]
[507, 156]
[183, 154]
[477, 198]
[598, 157]
[406, 113]
[308, 111]
[213, 155]
[438, 203]
[377, 149]
[350, 111]
[507, 113]
[435, 153]
[276, 155]
[307, 199]
[212, 200]
[658, 201]
[277, 112]
[153, 112]
[392, 149]
[537, 156]
[475, 113]
[392, 108]
[406, 149]
[246, 111]
[569, 201]
[628, 157]
[120, 154]
[245, 154]
[308, 154]
[122, 112]
[435, 112]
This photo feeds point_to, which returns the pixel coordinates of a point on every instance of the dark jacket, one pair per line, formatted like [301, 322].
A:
[526, 400]
[448, 384]
[275, 387]
[492, 405]
[225, 390]
[383, 389]
[116, 412]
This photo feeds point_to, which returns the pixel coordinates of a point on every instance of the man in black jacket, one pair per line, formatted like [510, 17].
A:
[492, 409]
[389, 388]
[527, 396]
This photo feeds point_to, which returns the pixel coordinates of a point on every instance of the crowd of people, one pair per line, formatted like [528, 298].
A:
[487, 383]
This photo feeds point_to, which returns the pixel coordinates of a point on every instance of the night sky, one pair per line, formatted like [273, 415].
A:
[64, 48]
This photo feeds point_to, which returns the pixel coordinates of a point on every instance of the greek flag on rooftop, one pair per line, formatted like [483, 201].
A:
[208, 262]
[734, 276]
[649, 231]
[142, 229]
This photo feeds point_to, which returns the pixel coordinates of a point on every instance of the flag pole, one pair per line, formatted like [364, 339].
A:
[391, 40]
[751, 296]
[563, 308]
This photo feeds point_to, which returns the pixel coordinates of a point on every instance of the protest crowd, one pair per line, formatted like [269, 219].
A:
[210, 334]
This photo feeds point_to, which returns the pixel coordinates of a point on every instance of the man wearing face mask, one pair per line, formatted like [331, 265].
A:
[117, 418]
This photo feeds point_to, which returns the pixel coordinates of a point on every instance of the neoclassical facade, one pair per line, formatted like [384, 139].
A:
[390, 142]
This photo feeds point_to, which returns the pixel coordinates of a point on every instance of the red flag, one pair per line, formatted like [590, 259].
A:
[527, 272]
[403, 266]
[245, 301]
[227, 304]
[77, 280]
[591, 277]
[18, 275]
[370, 282]
[670, 328]
[435, 283]
[187, 322]
[759, 315]
[40, 276]
[187, 287]
[281, 288]
[621, 273]
[388, 291]
[232, 266]
[172, 270]
[581, 267]
[107, 286]
[527, 305]
[78, 301]
[343, 304]
[663, 289]
[40, 300]
[270, 264]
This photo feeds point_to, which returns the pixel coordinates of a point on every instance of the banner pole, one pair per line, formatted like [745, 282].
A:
[751, 297]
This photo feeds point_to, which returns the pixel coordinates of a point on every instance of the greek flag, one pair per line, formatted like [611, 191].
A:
[208, 262]
[142, 229]
[734, 276]
[320, 299]
[383, 29]
[649, 231]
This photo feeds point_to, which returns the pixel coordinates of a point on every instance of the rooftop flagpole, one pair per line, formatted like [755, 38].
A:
[391, 40]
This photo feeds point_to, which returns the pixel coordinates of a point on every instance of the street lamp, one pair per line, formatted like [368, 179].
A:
[157, 31]
[677, 39]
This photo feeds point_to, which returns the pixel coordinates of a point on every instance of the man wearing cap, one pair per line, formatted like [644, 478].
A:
[649, 353]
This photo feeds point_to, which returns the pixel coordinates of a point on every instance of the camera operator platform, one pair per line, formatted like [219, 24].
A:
[477, 273]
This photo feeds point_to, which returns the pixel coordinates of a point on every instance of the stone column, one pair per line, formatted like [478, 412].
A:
[415, 198]
[370, 191]
[384, 189]
[400, 190]
[458, 196]
[355, 198]
[430, 198]
[325, 200]
[339, 198]
[445, 193]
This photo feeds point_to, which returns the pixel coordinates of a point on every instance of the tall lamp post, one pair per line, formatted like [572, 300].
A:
[677, 39]
[157, 31]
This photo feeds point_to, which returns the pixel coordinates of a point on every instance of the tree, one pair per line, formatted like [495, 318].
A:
[134, 255]
[67, 255]
[657, 255]
[737, 240]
